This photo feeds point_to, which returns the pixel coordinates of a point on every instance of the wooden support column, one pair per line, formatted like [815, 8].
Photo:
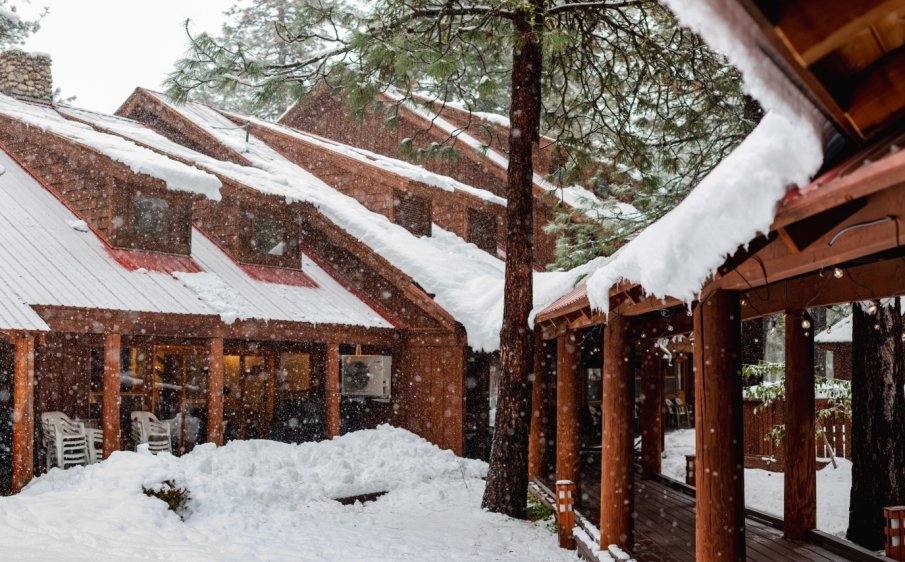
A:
[537, 445]
[568, 416]
[800, 503]
[651, 414]
[23, 412]
[332, 390]
[719, 443]
[616, 470]
[215, 374]
[112, 372]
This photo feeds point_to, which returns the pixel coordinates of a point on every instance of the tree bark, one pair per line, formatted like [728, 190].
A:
[507, 477]
[878, 416]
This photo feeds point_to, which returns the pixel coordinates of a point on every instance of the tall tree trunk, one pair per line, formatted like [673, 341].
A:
[507, 479]
[878, 416]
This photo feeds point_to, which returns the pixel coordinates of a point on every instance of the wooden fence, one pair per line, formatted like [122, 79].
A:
[764, 453]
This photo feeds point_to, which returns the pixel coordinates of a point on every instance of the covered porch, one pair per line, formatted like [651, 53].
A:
[246, 380]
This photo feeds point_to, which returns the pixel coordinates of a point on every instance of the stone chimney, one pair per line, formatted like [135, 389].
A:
[26, 74]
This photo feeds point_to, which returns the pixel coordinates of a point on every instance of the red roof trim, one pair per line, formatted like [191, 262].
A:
[153, 261]
[279, 275]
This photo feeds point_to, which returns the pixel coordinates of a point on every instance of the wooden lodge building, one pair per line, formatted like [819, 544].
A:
[214, 270]
[837, 239]
[481, 141]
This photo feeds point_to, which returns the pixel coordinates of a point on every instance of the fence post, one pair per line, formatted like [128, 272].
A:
[565, 513]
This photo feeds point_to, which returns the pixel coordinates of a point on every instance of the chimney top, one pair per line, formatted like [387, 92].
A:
[26, 75]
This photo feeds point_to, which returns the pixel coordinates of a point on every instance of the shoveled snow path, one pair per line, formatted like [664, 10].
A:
[261, 500]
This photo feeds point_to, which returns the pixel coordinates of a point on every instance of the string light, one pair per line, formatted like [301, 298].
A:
[872, 309]
[743, 301]
[773, 328]
[838, 273]
[805, 323]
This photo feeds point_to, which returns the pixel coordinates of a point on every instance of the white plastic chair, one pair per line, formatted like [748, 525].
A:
[65, 441]
[146, 428]
[192, 429]
[683, 411]
[95, 439]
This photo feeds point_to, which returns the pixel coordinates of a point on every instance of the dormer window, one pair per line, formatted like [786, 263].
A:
[147, 219]
[412, 213]
[150, 217]
[270, 236]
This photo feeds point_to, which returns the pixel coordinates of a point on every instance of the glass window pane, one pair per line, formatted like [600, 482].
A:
[295, 372]
[270, 236]
[151, 216]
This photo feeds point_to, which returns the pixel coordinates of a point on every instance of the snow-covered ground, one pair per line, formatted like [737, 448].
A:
[261, 500]
[764, 489]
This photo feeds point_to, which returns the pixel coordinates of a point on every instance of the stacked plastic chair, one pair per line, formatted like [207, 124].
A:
[65, 441]
[146, 428]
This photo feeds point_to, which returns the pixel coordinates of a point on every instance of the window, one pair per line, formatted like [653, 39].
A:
[151, 216]
[270, 236]
[295, 372]
[482, 230]
[412, 213]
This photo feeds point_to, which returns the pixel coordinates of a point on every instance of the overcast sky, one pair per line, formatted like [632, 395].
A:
[103, 49]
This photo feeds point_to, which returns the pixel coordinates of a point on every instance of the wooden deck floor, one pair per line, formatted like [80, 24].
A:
[665, 525]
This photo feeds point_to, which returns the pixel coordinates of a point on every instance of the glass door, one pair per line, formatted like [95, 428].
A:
[247, 400]
[179, 395]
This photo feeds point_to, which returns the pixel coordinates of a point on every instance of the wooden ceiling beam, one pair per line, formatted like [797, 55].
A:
[815, 29]
[876, 227]
[879, 96]
[880, 279]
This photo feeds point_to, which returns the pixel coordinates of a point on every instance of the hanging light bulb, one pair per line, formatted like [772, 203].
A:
[872, 309]
[838, 273]
[743, 301]
[805, 323]
[773, 328]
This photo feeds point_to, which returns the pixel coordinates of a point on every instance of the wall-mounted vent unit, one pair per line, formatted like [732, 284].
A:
[366, 375]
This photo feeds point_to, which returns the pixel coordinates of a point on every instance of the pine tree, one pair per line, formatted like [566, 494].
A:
[13, 29]
[878, 415]
[611, 79]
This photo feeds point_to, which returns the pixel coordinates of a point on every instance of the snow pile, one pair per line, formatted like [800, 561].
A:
[738, 199]
[215, 293]
[177, 176]
[262, 500]
[764, 490]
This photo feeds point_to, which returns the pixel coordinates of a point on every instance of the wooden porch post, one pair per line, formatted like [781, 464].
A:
[23, 412]
[538, 444]
[800, 503]
[111, 400]
[215, 374]
[651, 414]
[617, 472]
[332, 390]
[568, 418]
[720, 504]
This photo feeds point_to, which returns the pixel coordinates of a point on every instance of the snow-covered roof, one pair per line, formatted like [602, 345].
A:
[51, 259]
[575, 196]
[737, 201]
[175, 175]
[840, 332]
[392, 165]
[464, 280]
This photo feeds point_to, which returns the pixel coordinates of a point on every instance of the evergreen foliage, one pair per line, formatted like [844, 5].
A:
[641, 108]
